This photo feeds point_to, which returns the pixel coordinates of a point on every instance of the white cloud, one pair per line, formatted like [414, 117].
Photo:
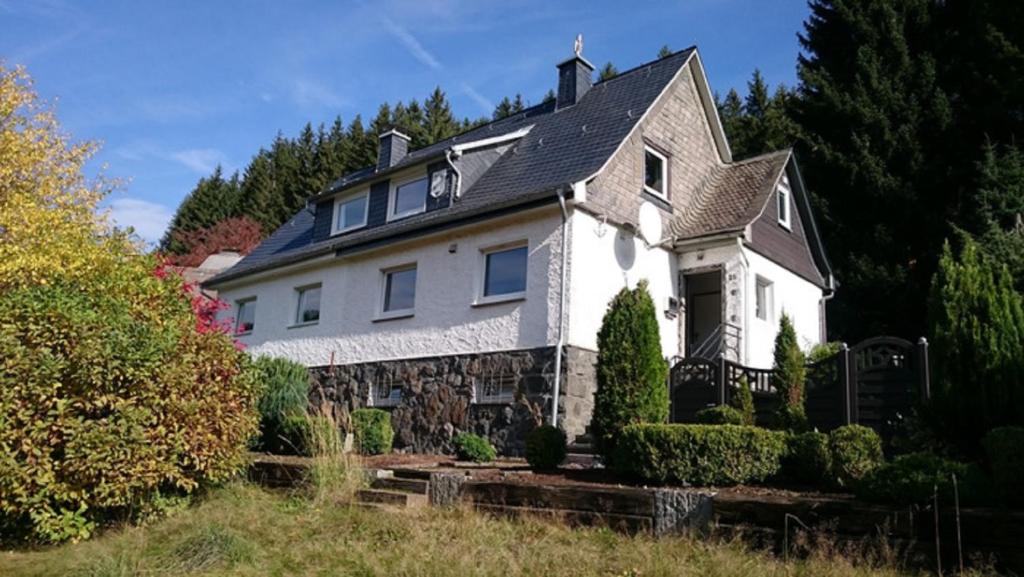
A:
[412, 44]
[149, 219]
[201, 160]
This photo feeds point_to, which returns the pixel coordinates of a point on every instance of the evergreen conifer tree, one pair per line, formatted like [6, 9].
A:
[789, 375]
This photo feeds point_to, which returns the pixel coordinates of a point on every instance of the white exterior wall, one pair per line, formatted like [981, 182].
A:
[603, 260]
[792, 294]
[445, 320]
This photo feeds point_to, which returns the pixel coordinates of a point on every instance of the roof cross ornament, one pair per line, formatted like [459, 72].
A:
[577, 46]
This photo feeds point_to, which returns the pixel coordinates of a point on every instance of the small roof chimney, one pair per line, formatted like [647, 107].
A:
[575, 77]
[393, 147]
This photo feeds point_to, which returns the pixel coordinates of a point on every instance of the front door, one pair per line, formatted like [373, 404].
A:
[703, 309]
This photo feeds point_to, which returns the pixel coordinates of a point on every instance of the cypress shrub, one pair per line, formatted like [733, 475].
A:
[282, 404]
[372, 429]
[546, 447]
[856, 451]
[789, 377]
[1004, 448]
[976, 323]
[631, 372]
[743, 401]
[808, 459]
[699, 454]
[473, 447]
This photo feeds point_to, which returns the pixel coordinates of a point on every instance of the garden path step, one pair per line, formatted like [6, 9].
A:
[407, 473]
[393, 498]
[415, 486]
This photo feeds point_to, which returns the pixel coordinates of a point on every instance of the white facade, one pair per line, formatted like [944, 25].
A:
[603, 260]
[448, 317]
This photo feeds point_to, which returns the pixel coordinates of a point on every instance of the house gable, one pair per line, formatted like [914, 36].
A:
[677, 127]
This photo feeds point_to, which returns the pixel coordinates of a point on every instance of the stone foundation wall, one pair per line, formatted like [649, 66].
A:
[439, 396]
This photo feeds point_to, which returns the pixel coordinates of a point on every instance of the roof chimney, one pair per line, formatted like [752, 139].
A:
[393, 147]
[574, 77]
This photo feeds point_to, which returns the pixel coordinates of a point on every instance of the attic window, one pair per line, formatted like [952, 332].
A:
[783, 198]
[655, 172]
[350, 212]
[408, 198]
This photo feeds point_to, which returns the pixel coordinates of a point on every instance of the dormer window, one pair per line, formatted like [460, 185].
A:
[782, 195]
[655, 173]
[408, 197]
[350, 212]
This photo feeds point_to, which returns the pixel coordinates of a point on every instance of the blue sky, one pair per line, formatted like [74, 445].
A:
[172, 89]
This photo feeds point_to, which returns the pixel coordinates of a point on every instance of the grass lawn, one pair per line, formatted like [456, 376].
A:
[245, 530]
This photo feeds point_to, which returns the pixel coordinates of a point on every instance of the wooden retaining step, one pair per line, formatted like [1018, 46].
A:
[414, 486]
[616, 521]
[409, 473]
[392, 498]
[606, 501]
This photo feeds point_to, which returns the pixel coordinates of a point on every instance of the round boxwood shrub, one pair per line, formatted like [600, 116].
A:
[808, 458]
[372, 430]
[699, 454]
[471, 447]
[545, 447]
[856, 450]
[720, 415]
[913, 478]
[1004, 447]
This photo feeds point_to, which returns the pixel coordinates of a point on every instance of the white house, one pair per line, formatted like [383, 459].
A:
[462, 285]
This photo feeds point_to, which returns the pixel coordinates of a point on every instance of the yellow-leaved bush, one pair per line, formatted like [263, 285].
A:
[118, 388]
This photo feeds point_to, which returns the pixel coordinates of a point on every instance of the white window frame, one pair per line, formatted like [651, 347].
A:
[769, 299]
[664, 173]
[394, 397]
[393, 195]
[299, 292]
[239, 304]
[783, 203]
[502, 378]
[481, 281]
[335, 229]
[397, 313]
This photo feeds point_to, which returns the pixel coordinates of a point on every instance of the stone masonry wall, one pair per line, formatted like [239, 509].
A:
[438, 396]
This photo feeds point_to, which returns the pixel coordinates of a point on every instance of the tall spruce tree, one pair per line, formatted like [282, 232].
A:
[607, 72]
[760, 122]
[874, 122]
[439, 123]
[999, 209]
[214, 199]
[976, 323]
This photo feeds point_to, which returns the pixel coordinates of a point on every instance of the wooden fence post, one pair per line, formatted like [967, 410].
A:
[924, 369]
[852, 387]
[721, 378]
[844, 382]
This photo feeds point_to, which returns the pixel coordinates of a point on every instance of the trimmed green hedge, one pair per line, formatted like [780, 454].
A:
[545, 447]
[472, 447]
[372, 429]
[1004, 447]
[720, 415]
[808, 459]
[699, 454]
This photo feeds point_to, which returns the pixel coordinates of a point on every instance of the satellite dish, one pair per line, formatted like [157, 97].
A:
[650, 223]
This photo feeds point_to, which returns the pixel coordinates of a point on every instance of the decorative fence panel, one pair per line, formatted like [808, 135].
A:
[877, 383]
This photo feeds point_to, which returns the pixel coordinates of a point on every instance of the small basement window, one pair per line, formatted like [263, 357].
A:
[385, 393]
[399, 291]
[496, 387]
[783, 196]
[350, 212]
[763, 299]
[655, 172]
[505, 272]
[308, 311]
[408, 198]
[245, 321]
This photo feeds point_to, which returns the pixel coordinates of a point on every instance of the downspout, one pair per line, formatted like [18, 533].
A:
[560, 345]
[458, 174]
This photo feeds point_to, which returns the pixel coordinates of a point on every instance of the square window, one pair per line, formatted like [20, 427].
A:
[655, 172]
[400, 290]
[350, 213]
[505, 272]
[409, 198]
[782, 195]
[385, 393]
[496, 387]
[309, 305]
[246, 319]
[763, 299]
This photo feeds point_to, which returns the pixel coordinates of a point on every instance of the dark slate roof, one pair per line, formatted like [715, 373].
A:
[732, 198]
[564, 146]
